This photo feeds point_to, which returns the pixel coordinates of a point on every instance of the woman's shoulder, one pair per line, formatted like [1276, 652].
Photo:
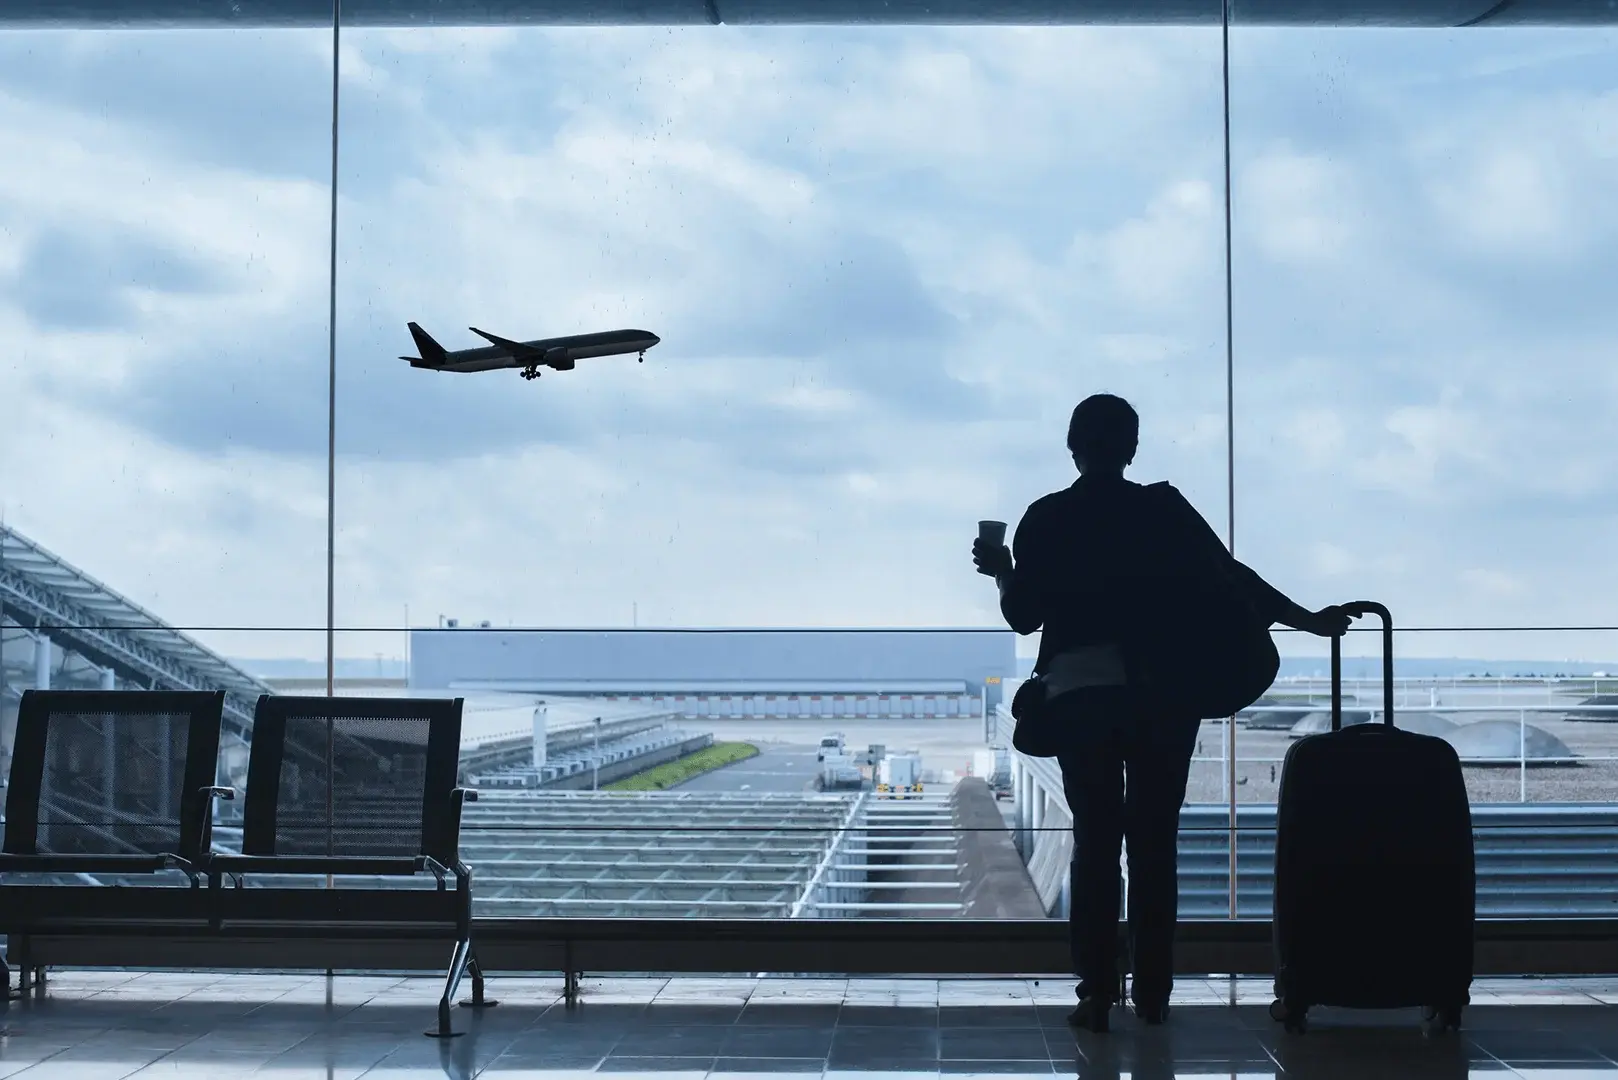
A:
[1165, 491]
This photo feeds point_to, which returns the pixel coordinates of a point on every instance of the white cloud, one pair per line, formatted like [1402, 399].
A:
[1509, 203]
[1319, 436]
[1300, 206]
[1155, 259]
[1531, 184]
[1493, 583]
[1333, 561]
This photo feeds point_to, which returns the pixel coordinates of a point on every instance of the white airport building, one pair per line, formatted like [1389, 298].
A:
[729, 673]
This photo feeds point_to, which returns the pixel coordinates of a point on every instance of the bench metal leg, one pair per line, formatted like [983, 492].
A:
[457, 967]
[17, 957]
[28, 973]
[570, 976]
[478, 1001]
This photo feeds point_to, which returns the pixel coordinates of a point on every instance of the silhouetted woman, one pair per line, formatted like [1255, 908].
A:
[1089, 560]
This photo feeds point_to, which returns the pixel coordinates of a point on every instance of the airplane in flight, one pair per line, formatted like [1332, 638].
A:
[560, 354]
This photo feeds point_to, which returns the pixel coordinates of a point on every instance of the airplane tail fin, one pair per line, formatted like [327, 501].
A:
[431, 351]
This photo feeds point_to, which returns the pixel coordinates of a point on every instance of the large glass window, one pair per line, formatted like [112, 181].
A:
[164, 312]
[884, 265]
[163, 294]
[1423, 334]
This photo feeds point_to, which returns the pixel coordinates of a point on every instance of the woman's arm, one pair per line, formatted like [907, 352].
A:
[1019, 572]
[1019, 603]
[1271, 603]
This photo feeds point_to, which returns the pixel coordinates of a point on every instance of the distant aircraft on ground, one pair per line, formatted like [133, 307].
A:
[559, 353]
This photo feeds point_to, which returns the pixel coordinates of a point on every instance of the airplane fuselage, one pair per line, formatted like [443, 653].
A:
[559, 353]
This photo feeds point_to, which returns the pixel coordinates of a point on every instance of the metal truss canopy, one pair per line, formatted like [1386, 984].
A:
[460, 13]
[42, 592]
[664, 855]
[701, 855]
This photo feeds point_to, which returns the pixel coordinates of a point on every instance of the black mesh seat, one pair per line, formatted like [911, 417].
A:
[111, 781]
[107, 787]
[353, 787]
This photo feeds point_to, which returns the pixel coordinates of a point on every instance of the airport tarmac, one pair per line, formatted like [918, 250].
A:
[776, 769]
[947, 743]
[787, 751]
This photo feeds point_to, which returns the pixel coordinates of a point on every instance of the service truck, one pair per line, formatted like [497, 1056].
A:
[829, 744]
[993, 766]
[899, 774]
[838, 771]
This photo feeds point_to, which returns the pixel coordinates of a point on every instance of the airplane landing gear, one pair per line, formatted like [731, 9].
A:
[641, 359]
[530, 372]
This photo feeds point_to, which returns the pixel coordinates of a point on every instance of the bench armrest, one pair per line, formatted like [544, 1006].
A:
[458, 797]
[205, 835]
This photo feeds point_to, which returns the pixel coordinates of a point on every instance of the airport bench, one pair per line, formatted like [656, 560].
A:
[349, 851]
[107, 787]
[353, 788]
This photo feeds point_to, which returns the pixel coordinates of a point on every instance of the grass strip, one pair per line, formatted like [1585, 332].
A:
[670, 773]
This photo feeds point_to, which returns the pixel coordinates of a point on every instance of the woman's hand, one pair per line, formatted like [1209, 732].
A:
[1327, 622]
[991, 559]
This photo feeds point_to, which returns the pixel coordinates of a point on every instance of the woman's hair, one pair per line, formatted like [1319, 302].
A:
[1104, 432]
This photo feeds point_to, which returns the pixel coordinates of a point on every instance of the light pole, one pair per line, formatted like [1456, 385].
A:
[595, 759]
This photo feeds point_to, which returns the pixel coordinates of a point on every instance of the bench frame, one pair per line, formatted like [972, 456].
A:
[217, 920]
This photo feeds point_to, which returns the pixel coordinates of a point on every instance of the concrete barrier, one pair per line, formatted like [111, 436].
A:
[617, 770]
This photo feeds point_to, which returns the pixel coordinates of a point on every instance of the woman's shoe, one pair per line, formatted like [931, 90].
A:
[1153, 1012]
[1092, 1014]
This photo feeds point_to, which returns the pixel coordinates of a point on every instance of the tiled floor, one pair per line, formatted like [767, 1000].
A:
[99, 1026]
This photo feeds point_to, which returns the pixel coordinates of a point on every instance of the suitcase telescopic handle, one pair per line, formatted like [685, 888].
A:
[1358, 610]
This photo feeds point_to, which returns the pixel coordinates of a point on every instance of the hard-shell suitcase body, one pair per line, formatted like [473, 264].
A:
[1375, 880]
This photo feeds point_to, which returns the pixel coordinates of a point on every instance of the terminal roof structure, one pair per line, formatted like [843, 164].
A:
[663, 856]
[42, 592]
[450, 13]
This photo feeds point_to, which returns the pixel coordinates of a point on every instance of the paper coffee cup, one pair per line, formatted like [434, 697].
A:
[993, 532]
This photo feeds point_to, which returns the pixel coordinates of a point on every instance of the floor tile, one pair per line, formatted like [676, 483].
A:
[666, 1068]
[738, 1068]
[883, 1046]
[767, 1014]
[992, 1044]
[988, 1015]
[998, 1069]
[888, 1016]
[285, 1028]
[688, 1041]
[785, 1042]
[566, 1057]
[661, 1014]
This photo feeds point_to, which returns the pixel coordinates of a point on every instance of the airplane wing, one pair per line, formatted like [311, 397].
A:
[516, 348]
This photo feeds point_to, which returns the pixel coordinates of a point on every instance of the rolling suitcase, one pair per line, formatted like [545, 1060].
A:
[1375, 881]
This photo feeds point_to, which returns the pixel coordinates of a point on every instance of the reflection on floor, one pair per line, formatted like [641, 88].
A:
[97, 1026]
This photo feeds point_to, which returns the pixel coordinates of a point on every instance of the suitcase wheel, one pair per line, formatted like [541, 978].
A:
[1441, 1019]
[1294, 1017]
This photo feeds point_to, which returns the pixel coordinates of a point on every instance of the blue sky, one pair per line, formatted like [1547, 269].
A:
[885, 264]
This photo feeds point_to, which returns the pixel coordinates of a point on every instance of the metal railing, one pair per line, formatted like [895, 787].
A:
[1546, 861]
[1534, 860]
